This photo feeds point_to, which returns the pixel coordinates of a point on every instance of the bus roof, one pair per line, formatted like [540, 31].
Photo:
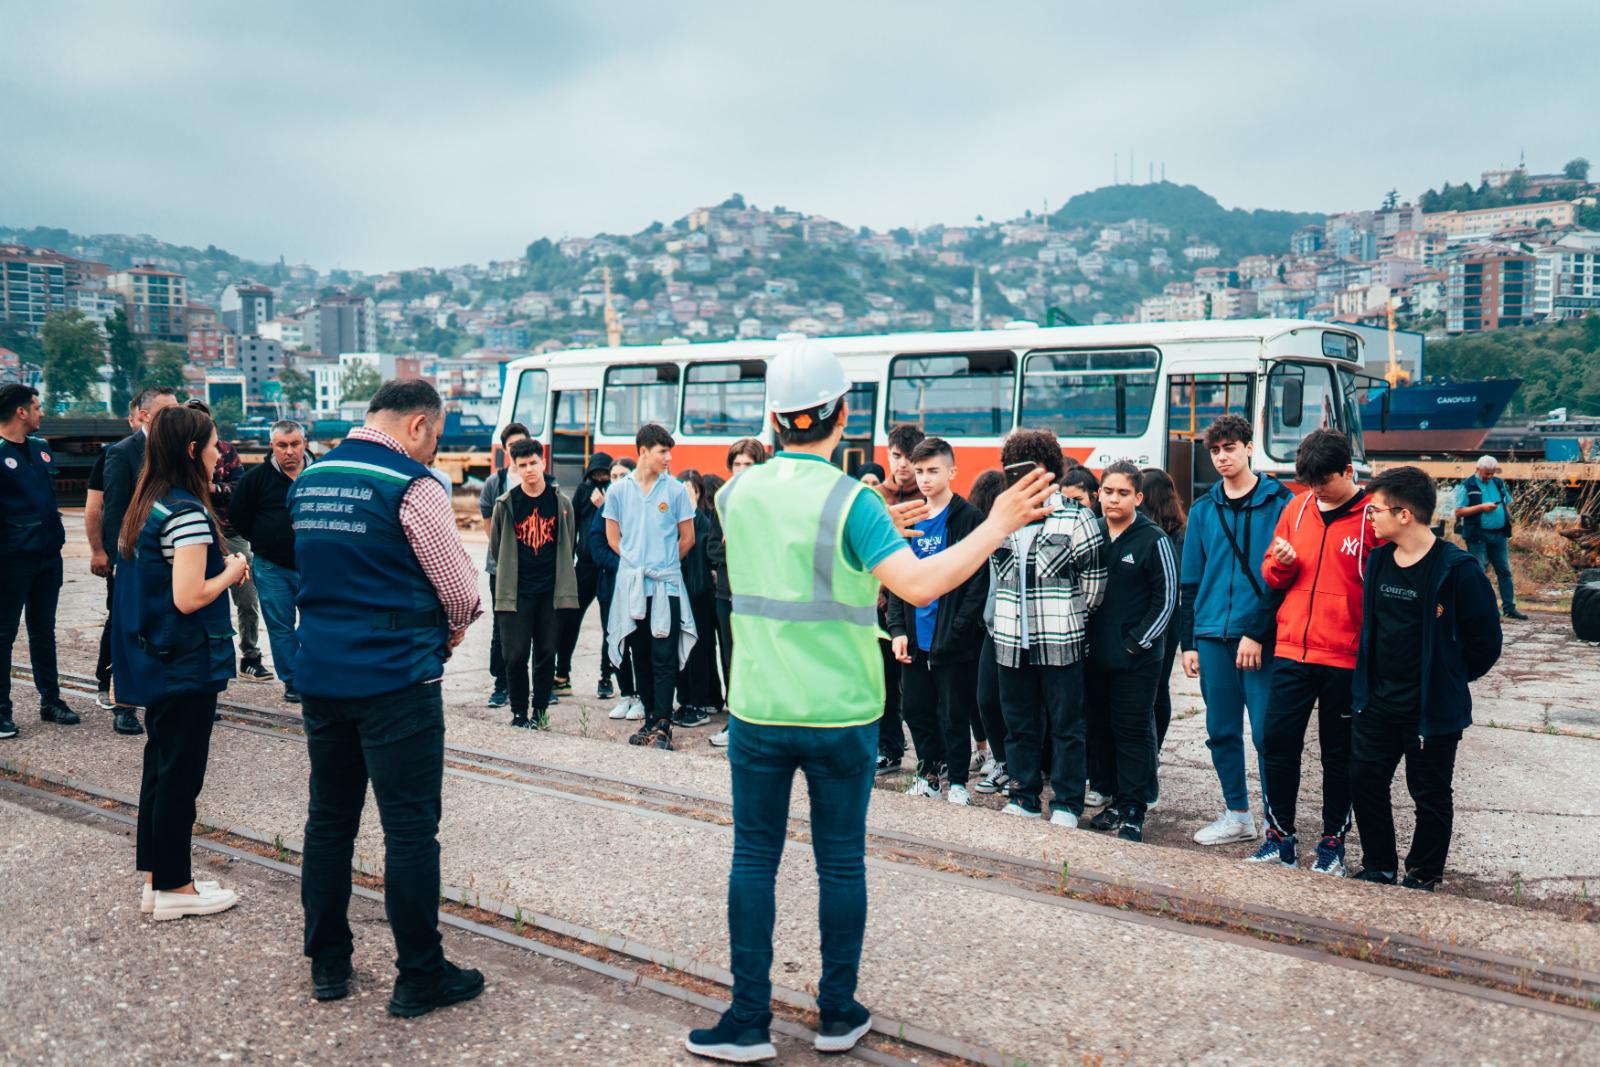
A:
[1130, 333]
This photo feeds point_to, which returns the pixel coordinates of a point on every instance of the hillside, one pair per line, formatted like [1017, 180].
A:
[1196, 213]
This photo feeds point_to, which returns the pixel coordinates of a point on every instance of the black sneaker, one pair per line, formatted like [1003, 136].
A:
[57, 712]
[291, 695]
[1130, 829]
[732, 1042]
[498, 699]
[251, 670]
[455, 985]
[519, 722]
[8, 729]
[689, 717]
[1411, 881]
[644, 735]
[663, 740]
[839, 1033]
[554, 700]
[1513, 613]
[330, 979]
[561, 687]
[126, 721]
[1106, 819]
[1381, 877]
[888, 764]
[605, 691]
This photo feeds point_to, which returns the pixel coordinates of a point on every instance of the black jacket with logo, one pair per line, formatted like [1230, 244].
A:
[1126, 632]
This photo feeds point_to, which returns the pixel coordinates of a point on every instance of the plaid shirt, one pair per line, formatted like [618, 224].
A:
[430, 525]
[1065, 572]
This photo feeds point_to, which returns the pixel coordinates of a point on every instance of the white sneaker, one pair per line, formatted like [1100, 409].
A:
[204, 902]
[1091, 799]
[636, 710]
[147, 898]
[1014, 808]
[1063, 817]
[980, 759]
[958, 795]
[1229, 827]
[620, 709]
[720, 738]
[988, 767]
[921, 787]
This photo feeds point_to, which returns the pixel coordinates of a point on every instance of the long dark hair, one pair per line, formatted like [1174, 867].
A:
[1161, 501]
[985, 487]
[170, 464]
[693, 477]
[714, 484]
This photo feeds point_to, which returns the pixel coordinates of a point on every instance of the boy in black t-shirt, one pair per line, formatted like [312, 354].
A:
[1429, 626]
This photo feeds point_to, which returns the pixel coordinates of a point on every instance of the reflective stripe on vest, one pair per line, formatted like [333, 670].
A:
[822, 607]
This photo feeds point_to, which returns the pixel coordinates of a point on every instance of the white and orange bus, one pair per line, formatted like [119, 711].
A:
[1139, 391]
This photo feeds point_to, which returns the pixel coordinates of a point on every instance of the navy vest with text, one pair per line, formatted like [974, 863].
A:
[157, 652]
[29, 519]
[370, 621]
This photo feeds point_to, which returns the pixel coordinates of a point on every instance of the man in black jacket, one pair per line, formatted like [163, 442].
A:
[938, 645]
[596, 475]
[1428, 628]
[260, 513]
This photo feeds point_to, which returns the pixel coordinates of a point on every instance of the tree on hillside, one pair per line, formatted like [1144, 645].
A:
[1577, 169]
[1391, 199]
[227, 413]
[19, 339]
[127, 361]
[1591, 333]
[298, 389]
[359, 383]
[73, 356]
[164, 366]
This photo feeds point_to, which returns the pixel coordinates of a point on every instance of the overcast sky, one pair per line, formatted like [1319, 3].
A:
[358, 135]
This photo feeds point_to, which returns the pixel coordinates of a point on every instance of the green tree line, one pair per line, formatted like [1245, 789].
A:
[1559, 364]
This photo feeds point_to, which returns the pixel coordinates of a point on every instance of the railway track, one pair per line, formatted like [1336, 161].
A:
[1477, 973]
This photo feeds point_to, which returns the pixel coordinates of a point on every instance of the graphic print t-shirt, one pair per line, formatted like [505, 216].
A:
[931, 541]
[534, 520]
[1397, 635]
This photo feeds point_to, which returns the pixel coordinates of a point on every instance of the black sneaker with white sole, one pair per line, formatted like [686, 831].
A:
[887, 764]
[57, 712]
[840, 1032]
[605, 690]
[251, 670]
[689, 716]
[8, 728]
[731, 1042]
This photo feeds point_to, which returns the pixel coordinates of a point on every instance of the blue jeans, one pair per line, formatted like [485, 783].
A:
[838, 765]
[1228, 693]
[276, 587]
[1490, 549]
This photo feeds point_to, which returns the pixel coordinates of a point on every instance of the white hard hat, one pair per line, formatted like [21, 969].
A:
[805, 375]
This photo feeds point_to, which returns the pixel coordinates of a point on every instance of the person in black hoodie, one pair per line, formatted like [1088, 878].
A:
[596, 475]
[938, 645]
[1426, 603]
[699, 694]
[1126, 647]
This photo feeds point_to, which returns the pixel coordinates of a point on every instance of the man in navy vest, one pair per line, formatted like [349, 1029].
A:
[30, 553]
[1483, 519]
[386, 591]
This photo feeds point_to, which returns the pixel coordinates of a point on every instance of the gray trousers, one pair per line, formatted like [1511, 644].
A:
[244, 599]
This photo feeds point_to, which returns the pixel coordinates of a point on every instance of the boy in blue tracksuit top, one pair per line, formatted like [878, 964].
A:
[1227, 616]
[1425, 602]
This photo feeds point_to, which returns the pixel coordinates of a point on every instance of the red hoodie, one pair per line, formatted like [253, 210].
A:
[1319, 620]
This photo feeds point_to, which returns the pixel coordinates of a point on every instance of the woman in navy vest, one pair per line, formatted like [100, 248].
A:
[173, 647]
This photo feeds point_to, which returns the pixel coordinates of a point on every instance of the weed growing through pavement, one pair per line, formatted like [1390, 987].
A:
[279, 853]
[541, 721]
[1516, 888]
[583, 720]
[518, 921]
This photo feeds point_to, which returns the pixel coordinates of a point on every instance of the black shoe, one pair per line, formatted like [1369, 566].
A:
[644, 735]
[251, 670]
[663, 740]
[519, 722]
[1513, 613]
[291, 695]
[1381, 877]
[1106, 819]
[126, 721]
[1130, 829]
[453, 986]
[1411, 881]
[8, 729]
[839, 1033]
[732, 1043]
[887, 764]
[498, 699]
[605, 691]
[330, 979]
[58, 713]
[561, 687]
[689, 717]
[554, 700]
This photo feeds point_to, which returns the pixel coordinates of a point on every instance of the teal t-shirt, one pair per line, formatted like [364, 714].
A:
[870, 536]
[1489, 520]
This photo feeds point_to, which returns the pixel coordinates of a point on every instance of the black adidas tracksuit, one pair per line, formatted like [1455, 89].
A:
[1126, 645]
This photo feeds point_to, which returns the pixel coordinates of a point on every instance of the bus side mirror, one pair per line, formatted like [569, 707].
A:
[1294, 402]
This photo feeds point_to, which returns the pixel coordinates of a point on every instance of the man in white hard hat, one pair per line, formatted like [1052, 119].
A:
[1483, 519]
[806, 548]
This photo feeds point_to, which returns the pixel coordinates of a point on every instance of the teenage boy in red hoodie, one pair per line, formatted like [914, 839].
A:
[1317, 563]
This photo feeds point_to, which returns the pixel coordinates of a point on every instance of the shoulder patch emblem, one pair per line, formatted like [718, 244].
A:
[662, 507]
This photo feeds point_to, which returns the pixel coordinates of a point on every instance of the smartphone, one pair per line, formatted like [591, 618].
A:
[1015, 472]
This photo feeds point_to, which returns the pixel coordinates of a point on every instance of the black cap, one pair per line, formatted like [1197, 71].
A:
[870, 468]
[600, 461]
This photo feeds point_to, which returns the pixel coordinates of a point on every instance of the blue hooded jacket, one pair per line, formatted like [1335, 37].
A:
[1221, 599]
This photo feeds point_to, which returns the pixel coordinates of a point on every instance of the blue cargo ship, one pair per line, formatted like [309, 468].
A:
[1434, 417]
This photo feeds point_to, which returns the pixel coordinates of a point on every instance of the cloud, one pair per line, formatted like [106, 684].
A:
[374, 135]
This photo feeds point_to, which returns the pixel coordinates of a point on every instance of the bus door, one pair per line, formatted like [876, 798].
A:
[857, 446]
[572, 435]
[1193, 401]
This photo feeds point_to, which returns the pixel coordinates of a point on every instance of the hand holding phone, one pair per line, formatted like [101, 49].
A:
[1015, 472]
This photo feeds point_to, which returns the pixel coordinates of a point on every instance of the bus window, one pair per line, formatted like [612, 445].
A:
[1354, 387]
[862, 401]
[725, 398]
[1193, 402]
[572, 435]
[533, 395]
[961, 395]
[1090, 394]
[637, 395]
[1301, 397]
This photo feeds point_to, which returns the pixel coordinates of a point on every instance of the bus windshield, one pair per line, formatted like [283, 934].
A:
[1301, 397]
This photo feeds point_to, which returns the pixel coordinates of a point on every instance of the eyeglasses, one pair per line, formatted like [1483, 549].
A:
[1377, 510]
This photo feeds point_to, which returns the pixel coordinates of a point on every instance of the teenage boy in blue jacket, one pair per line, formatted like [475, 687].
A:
[1427, 605]
[1227, 616]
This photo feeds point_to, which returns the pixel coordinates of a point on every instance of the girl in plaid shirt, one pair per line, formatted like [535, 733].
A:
[1047, 579]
